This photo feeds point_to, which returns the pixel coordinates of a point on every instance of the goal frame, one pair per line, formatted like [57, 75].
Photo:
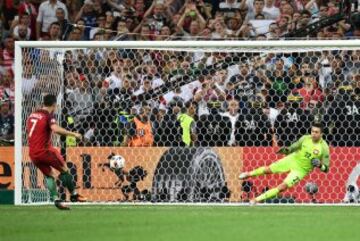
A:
[216, 45]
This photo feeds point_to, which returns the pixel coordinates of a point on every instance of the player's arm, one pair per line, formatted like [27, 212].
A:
[61, 131]
[294, 147]
[324, 163]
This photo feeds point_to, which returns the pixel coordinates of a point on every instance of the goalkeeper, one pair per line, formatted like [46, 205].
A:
[302, 156]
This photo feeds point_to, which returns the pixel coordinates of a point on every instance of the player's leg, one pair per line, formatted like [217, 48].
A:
[256, 172]
[50, 183]
[292, 178]
[58, 162]
[280, 166]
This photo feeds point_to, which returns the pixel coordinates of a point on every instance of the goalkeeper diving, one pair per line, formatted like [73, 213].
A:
[309, 152]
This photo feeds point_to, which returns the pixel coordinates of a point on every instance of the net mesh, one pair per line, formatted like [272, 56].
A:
[188, 121]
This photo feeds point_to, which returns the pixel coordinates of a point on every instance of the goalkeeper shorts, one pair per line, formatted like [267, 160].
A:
[288, 164]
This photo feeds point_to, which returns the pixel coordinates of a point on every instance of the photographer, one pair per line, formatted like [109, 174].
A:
[140, 129]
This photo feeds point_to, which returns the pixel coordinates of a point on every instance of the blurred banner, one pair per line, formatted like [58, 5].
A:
[163, 174]
[7, 168]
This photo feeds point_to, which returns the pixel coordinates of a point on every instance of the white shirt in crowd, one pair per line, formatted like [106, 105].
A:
[186, 93]
[272, 12]
[28, 84]
[156, 82]
[47, 14]
[226, 4]
[273, 115]
[113, 81]
[233, 119]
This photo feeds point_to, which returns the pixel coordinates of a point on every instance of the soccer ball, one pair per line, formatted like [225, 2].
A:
[311, 188]
[117, 162]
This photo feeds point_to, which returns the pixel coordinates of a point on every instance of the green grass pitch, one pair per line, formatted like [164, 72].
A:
[180, 223]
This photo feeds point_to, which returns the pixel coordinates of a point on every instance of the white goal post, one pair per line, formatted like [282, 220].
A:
[266, 79]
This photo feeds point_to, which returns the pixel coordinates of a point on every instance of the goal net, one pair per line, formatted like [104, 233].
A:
[189, 117]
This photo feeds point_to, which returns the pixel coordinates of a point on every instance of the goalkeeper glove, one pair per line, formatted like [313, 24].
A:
[316, 162]
[283, 150]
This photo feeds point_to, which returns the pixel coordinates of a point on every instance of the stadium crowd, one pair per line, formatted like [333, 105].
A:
[258, 99]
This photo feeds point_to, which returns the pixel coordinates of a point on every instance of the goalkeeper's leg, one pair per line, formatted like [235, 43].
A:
[280, 166]
[256, 172]
[292, 178]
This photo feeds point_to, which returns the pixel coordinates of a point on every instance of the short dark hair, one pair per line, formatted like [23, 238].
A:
[60, 9]
[54, 23]
[49, 100]
[318, 125]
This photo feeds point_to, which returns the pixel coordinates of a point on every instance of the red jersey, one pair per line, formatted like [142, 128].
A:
[38, 128]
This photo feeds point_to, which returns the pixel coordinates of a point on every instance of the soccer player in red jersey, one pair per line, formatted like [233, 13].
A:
[39, 126]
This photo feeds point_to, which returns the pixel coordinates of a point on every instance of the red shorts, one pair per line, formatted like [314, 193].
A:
[48, 158]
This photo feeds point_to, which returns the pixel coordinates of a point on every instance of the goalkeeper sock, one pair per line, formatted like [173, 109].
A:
[67, 181]
[269, 194]
[51, 185]
[257, 172]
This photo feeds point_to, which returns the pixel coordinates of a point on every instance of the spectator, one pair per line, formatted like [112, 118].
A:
[219, 31]
[23, 20]
[343, 117]
[233, 115]
[165, 33]
[312, 6]
[233, 26]
[100, 26]
[81, 101]
[88, 15]
[270, 9]
[170, 129]
[9, 12]
[54, 31]
[99, 8]
[258, 8]
[191, 21]
[75, 35]
[47, 15]
[279, 83]
[146, 86]
[310, 92]
[292, 122]
[7, 86]
[8, 53]
[145, 33]
[253, 127]
[274, 32]
[65, 26]
[214, 129]
[122, 31]
[244, 86]
[22, 32]
[115, 78]
[230, 4]
[6, 121]
[140, 129]
[188, 124]
[27, 10]
[29, 79]
[156, 17]
[283, 24]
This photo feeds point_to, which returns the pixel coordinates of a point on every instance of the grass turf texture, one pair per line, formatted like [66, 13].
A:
[179, 223]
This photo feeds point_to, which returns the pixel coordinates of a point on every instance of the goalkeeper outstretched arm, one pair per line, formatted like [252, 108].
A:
[294, 147]
[324, 164]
